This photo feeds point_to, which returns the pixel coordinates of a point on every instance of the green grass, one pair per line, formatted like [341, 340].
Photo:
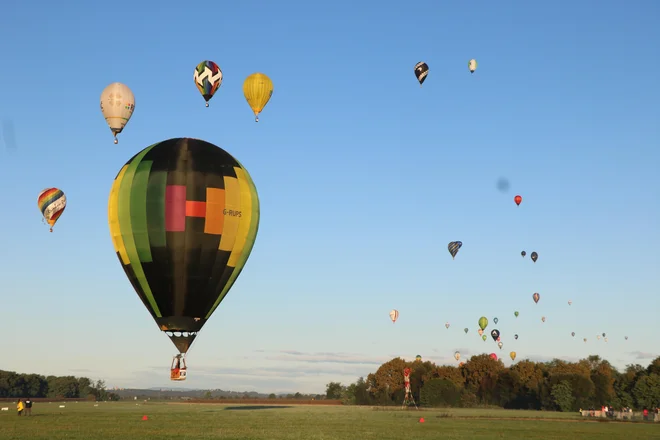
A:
[123, 420]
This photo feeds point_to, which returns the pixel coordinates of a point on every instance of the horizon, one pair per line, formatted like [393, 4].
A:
[363, 177]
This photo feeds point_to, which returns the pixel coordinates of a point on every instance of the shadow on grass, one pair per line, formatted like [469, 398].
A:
[255, 407]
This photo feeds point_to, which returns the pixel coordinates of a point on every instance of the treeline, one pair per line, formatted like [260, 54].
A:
[556, 385]
[13, 384]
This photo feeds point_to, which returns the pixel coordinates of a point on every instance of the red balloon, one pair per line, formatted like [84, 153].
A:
[517, 199]
[493, 356]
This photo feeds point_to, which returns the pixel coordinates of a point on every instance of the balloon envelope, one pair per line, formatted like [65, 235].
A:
[183, 216]
[208, 79]
[117, 106]
[483, 322]
[257, 89]
[51, 203]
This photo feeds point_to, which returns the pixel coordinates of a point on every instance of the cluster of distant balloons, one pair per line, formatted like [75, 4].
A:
[453, 247]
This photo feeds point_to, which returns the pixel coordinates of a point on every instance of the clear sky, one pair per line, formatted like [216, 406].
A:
[363, 177]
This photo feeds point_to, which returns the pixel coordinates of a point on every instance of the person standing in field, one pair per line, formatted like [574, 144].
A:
[20, 407]
[28, 407]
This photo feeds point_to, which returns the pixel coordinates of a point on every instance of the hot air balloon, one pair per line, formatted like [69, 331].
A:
[542, 318]
[446, 325]
[480, 331]
[493, 356]
[598, 337]
[570, 302]
[534, 257]
[117, 105]
[518, 200]
[483, 323]
[484, 338]
[453, 247]
[183, 217]
[457, 355]
[573, 334]
[421, 71]
[515, 336]
[512, 355]
[536, 297]
[472, 65]
[465, 330]
[208, 79]
[495, 334]
[51, 203]
[418, 358]
[495, 320]
[626, 338]
[394, 315]
[605, 339]
[499, 344]
[585, 339]
[603, 334]
[258, 89]
[523, 253]
[516, 313]
[461, 364]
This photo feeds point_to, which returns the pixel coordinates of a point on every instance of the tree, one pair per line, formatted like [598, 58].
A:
[272, 396]
[647, 391]
[440, 392]
[562, 395]
[334, 391]
[208, 395]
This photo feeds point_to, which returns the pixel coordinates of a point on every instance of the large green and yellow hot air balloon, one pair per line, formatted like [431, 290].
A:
[183, 217]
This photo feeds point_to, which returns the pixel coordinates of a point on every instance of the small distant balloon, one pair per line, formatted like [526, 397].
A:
[517, 199]
[512, 355]
[570, 302]
[573, 334]
[626, 338]
[453, 248]
[465, 329]
[515, 336]
[536, 297]
[495, 320]
[543, 318]
[516, 313]
[480, 331]
[484, 337]
[495, 334]
[534, 257]
[500, 345]
[446, 325]
[493, 356]
[523, 253]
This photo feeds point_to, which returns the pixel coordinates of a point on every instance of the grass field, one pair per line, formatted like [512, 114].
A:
[181, 421]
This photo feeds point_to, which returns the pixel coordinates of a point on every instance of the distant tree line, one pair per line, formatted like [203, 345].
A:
[13, 384]
[556, 385]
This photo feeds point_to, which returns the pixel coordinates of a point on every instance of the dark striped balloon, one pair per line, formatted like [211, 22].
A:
[183, 216]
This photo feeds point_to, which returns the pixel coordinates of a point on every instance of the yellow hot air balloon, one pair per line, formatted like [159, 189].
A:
[513, 355]
[258, 89]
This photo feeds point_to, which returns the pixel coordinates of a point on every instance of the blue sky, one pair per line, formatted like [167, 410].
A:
[363, 179]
